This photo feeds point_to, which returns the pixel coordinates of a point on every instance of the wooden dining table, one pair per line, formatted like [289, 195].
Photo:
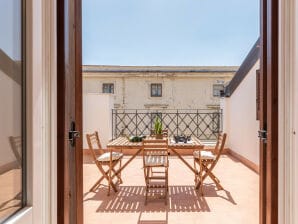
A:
[123, 143]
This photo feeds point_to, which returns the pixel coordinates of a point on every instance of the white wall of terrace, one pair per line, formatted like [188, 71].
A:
[97, 116]
[239, 118]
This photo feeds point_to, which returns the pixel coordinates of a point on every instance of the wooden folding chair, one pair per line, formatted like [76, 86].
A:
[16, 147]
[207, 161]
[107, 159]
[155, 155]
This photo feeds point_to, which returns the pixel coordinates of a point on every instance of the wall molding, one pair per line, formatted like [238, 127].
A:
[287, 171]
[251, 165]
[49, 86]
[157, 69]
[217, 75]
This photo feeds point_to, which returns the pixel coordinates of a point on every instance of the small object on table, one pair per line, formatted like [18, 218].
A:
[136, 138]
[182, 138]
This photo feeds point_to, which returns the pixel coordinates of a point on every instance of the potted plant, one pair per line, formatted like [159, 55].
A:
[158, 128]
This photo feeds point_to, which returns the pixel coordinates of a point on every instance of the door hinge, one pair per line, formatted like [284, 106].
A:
[73, 134]
[262, 134]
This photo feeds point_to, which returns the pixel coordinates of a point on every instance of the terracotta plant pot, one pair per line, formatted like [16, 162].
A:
[159, 136]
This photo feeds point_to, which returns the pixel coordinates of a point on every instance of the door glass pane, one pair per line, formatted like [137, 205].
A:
[11, 109]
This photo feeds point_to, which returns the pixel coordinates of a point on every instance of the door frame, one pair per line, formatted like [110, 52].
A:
[69, 109]
[269, 200]
[269, 106]
[288, 122]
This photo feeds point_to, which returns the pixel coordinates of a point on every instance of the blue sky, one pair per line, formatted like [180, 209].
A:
[10, 26]
[169, 32]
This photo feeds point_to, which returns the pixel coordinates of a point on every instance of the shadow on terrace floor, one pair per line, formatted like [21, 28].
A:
[181, 199]
[239, 202]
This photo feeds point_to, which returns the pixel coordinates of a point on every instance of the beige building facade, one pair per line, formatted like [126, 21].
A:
[140, 87]
[41, 116]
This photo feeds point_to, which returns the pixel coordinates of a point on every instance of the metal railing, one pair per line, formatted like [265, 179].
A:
[204, 124]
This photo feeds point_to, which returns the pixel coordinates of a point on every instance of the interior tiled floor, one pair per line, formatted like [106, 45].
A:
[237, 204]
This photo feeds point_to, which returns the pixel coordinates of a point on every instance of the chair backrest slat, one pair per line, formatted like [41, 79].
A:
[219, 147]
[155, 147]
[16, 146]
[94, 143]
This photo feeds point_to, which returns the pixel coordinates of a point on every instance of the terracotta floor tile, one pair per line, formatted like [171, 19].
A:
[238, 203]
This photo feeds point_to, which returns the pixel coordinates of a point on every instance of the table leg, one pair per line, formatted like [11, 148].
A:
[184, 161]
[125, 164]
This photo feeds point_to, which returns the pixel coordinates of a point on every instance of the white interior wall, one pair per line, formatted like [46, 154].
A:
[239, 116]
[97, 116]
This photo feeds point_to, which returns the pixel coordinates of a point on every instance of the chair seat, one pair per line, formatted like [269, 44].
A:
[155, 161]
[105, 157]
[207, 155]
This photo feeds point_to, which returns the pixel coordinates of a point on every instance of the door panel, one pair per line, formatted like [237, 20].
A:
[263, 109]
[69, 98]
[272, 113]
[269, 113]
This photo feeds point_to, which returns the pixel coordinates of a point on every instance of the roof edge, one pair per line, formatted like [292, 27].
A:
[250, 60]
[159, 69]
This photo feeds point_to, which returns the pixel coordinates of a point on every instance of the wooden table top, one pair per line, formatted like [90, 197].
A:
[123, 142]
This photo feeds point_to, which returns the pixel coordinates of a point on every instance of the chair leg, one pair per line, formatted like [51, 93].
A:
[146, 192]
[104, 174]
[109, 182]
[166, 187]
[195, 167]
[201, 179]
[166, 196]
[118, 176]
[146, 196]
[96, 184]
[147, 175]
[111, 177]
[107, 176]
[215, 180]
[147, 183]
[209, 173]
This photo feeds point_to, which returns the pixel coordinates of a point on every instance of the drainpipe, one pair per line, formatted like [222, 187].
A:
[123, 92]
